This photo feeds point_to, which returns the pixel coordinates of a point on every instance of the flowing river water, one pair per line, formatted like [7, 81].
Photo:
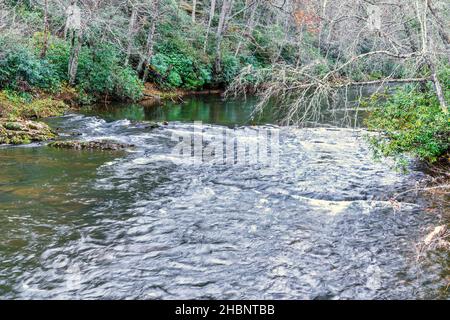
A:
[137, 225]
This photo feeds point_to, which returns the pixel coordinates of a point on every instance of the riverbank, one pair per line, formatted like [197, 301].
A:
[20, 113]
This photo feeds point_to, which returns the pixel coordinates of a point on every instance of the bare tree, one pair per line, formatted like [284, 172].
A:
[248, 30]
[208, 28]
[227, 6]
[146, 58]
[75, 32]
[131, 31]
[46, 30]
[346, 31]
[194, 7]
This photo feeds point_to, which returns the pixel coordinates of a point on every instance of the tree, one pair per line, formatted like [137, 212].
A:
[399, 41]
[208, 28]
[194, 7]
[46, 30]
[227, 6]
[146, 58]
[131, 31]
[74, 31]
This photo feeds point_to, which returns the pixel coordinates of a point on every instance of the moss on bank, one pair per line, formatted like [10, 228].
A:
[17, 107]
[13, 106]
[24, 131]
[15, 112]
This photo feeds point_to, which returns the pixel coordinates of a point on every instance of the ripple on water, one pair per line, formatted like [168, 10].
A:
[318, 226]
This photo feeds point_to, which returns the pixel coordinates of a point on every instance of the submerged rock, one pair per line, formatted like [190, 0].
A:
[24, 131]
[108, 145]
[151, 125]
[147, 125]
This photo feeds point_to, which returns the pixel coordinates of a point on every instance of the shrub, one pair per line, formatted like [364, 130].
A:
[21, 69]
[179, 60]
[100, 72]
[57, 55]
[411, 122]
[178, 70]
[100, 69]
[230, 67]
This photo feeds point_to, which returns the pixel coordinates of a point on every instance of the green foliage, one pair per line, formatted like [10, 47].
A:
[127, 84]
[43, 108]
[179, 60]
[267, 43]
[57, 55]
[444, 77]
[17, 97]
[100, 70]
[21, 69]
[173, 70]
[411, 122]
[230, 67]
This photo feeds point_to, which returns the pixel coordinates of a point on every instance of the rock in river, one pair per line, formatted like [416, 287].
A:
[107, 145]
[24, 131]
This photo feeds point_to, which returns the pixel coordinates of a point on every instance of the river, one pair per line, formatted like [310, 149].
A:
[135, 224]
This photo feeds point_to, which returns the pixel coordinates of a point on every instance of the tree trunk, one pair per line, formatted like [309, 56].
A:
[45, 43]
[226, 6]
[194, 6]
[208, 28]
[76, 37]
[130, 34]
[438, 87]
[145, 60]
[408, 31]
[422, 17]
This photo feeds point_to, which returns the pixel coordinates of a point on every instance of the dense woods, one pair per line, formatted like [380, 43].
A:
[301, 53]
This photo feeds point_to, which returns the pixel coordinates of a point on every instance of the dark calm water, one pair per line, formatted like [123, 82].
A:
[135, 224]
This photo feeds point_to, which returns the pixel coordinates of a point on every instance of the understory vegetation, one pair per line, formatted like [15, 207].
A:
[410, 122]
[120, 45]
[100, 72]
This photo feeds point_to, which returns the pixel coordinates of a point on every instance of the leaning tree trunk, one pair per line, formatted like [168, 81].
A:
[422, 18]
[437, 86]
[248, 28]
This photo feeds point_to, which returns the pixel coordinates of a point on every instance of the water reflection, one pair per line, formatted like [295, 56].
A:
[213, 109]
[209, 109]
